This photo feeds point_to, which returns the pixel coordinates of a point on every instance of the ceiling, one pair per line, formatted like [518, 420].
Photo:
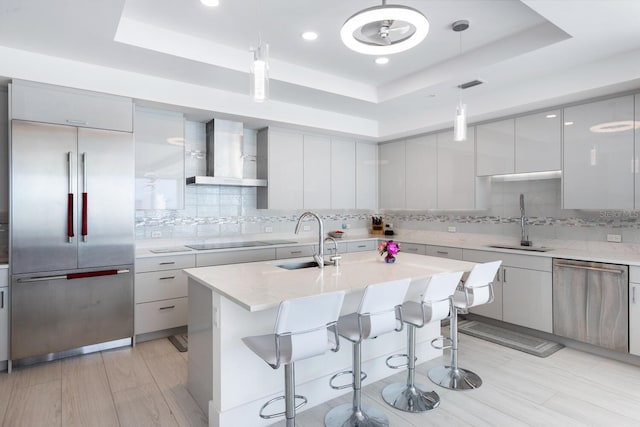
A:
[531, 53]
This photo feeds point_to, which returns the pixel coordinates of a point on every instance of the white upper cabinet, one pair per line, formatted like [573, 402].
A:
[421, 172]
[317, 166]
[636, 162]
[39, 102]
[366, 176]
[495, 148]
[160, 177]
[392, 175]
[343, 174]
[538, 142]
[598, 155]
[456, 171]
[280, 162]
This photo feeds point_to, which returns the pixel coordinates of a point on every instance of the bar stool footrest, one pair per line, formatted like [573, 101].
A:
[363, 376]
[435, 343]
[279, 414]
[397, 356]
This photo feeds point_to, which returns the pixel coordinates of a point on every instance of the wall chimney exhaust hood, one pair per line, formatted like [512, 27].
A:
[229, 162]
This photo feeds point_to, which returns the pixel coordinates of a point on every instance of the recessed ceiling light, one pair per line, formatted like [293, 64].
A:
[210, 3]
[382, 60]
[551, 116]
[568, 123]
[309, 35]
[384, 30]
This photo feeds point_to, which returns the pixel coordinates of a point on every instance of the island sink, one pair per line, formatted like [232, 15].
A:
[298, 265]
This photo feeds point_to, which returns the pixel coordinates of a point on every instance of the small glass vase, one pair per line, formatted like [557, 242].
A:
[390, 259]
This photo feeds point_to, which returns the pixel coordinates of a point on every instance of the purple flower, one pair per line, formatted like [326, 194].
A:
[392, 248]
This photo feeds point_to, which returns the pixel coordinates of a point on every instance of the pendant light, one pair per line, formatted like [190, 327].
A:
[260, 67]
[460, 122]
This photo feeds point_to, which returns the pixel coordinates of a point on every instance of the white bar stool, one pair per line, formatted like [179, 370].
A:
[477, 290]
[379, 313]
[435, 306]
[305, 327]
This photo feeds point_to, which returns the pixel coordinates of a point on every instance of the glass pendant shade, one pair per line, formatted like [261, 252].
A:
[260, 73]
[460, 123]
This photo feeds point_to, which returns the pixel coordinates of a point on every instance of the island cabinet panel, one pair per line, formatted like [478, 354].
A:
[161, 292]
[366, 176]
[343, 174]
[539, 142]
[421, 172]
[495, 148]
[634, 310]
[316, 170]
[392, 175]
[598, 155]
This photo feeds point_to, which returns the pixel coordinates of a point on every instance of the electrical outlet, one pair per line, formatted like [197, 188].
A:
[451, 229]
[306, 228]
[268, 229]
[616, 238]
[156, 234]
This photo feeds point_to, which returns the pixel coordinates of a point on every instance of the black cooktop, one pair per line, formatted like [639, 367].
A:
[230, 245]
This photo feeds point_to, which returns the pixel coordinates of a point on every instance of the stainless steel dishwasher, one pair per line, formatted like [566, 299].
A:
[591, 303]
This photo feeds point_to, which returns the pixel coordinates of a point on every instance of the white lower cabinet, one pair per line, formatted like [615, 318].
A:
[413, 248]
[634, 310]
[161, 292]
[444, 252]
[361, 246]
[4, 315]
[522, 289]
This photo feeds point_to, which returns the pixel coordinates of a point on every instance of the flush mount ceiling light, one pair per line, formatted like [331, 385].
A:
[384, 30]
[620, 126]
[309, 35]
[210, 3]
[382, 60]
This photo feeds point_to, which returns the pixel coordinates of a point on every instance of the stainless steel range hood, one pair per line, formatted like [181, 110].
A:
[228, 162]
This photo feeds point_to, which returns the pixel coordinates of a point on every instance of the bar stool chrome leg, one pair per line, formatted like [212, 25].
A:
[410, 397]
[453, 377]
[355, 414]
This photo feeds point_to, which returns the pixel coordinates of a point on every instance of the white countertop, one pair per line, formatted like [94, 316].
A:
[262, 285]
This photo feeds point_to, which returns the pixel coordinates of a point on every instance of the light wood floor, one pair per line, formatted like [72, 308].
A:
[146, 386]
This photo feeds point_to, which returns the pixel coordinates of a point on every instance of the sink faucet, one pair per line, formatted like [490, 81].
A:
[319, 257]
[335, 258]
[524, 239]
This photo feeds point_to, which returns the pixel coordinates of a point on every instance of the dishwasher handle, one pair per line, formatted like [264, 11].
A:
[586, 267]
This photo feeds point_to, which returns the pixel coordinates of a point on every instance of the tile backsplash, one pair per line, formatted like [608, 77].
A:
[218, 211]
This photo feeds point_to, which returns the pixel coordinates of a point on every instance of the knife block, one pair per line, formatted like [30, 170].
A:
[377, 228]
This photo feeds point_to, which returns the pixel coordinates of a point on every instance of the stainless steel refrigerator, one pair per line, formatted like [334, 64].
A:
[71, 237]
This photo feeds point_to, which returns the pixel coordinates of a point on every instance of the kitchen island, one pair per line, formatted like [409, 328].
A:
[229, 302]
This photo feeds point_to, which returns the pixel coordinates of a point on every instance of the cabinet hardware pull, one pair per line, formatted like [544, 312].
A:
[167, 263]
[168, 278]
[296, 252]
[77, 122]
[362, 246]
[1, 299]
[633, 293]
[85, 199]
[70, 200]
[442, 252]
[504, 275]
[167, 307]
[585, 267]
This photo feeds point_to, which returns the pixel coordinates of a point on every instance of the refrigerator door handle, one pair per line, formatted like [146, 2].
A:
[73, 275]
[85, 198]
[70, 201]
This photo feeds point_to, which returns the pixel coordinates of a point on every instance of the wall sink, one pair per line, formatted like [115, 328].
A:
[522, 248]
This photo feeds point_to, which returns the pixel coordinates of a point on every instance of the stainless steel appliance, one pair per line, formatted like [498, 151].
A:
[591, 303]
[72, 243]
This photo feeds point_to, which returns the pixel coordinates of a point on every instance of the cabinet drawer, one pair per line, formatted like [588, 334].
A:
[235, 257]
[295, 252]
[329, 249]
[171, 262]
[444, 252]
[413, 248]
[160, 285]
[364, 245]
[159, 315]
[4, 277]
[55, 104]
[634, 274]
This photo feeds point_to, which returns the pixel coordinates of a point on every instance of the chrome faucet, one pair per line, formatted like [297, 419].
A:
[319, 257]
[524, 239]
